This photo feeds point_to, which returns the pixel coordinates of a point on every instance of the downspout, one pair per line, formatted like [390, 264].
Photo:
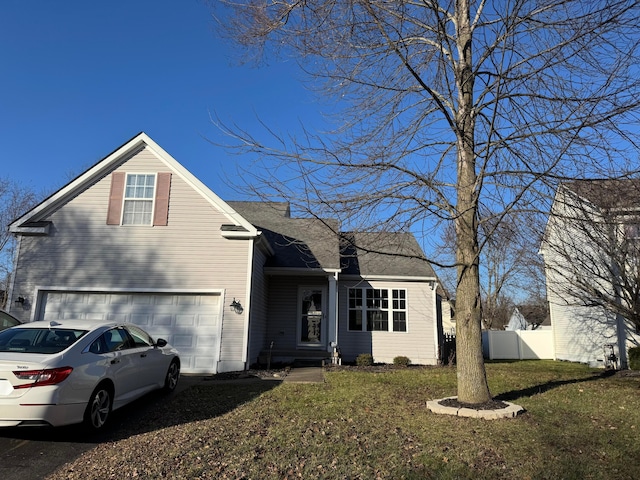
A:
[332, 313]
[337, 310]
[436, 337]
[621, 334]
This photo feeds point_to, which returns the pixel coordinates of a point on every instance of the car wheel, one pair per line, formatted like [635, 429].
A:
[173, 374]
[98, 408]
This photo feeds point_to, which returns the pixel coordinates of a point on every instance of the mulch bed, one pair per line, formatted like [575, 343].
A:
[490, 405]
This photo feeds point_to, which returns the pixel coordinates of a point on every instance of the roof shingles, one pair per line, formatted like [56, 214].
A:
[318, 243]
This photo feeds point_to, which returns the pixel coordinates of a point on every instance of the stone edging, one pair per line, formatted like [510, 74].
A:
[512, 410]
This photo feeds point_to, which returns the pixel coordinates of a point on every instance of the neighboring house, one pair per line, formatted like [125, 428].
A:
[448, 314]
[585, 232]
[528, 317]
[137, 238]
[516, 321]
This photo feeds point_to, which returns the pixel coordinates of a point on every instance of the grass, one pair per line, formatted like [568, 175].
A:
[365, 425]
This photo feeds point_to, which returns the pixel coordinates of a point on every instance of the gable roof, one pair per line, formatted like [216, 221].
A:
[618, 194]
[31, 221]
[536, 314]
[309, 243]
[384, 253]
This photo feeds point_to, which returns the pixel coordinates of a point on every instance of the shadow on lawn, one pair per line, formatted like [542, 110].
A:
[200, 402]
[153, 412]
[514, 395]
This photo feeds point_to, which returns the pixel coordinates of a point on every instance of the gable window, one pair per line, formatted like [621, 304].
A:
[138, 199]
[377, 309]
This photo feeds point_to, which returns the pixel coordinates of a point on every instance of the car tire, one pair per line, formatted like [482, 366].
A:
[172, 377]
[99, 408]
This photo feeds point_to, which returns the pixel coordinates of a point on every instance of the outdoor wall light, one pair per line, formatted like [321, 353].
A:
[237, 306]
[21, 300]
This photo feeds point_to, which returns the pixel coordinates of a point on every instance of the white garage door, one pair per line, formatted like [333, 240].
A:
[191, 323]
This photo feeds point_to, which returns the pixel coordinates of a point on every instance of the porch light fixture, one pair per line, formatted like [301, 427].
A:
[21, 300]
[236, 306]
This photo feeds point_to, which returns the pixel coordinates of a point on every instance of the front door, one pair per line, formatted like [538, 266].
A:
[311, 323]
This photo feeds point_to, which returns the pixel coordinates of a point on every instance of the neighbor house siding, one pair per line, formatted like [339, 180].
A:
[573, 340]
[579, 332]
[418, 342]
[83, 252]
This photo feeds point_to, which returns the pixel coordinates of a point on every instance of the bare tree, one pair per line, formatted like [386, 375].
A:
[511, 271]
[444, 110]
[14, 200]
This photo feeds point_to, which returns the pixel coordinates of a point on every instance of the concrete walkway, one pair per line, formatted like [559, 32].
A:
[305, 375]
[295, 375]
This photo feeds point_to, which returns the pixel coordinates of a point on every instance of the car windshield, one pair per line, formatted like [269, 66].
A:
[38, 340]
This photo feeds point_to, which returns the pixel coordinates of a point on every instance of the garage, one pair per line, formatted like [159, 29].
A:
[189, 322]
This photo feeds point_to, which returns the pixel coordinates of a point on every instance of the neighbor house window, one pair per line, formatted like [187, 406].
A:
[139, 193]
[377, 309]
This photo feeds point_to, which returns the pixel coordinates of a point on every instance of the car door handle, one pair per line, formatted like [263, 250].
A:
[114, 361]
[143, 355]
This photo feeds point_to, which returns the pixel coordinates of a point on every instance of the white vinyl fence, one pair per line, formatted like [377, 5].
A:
[518, 344]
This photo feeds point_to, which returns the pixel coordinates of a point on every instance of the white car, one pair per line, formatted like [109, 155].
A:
[72, 371]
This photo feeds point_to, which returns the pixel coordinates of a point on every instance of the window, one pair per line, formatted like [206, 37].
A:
[139, 193]
[399, 310]
[140, 337]
[355, 309]
[117, 339]
[384, 310]
[38, 340]
[139, 199]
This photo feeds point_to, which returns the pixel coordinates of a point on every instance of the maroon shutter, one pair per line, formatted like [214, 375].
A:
[114, 213]
[161, 214]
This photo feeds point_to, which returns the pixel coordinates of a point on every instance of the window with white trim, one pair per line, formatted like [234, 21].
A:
[377, 309]
[139, 194]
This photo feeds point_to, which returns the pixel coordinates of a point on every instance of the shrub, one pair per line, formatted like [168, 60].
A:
[364, 360]
[634, 358]
[401, 361]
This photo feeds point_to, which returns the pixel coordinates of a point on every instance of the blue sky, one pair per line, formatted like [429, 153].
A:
[79, 78]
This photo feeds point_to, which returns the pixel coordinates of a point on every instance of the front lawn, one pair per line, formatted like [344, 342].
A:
[369, 425]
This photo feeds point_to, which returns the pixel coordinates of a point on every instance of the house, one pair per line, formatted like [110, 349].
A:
[137, 238]
[589, 260]
[448, 314]
[529, 317]
[516, 321]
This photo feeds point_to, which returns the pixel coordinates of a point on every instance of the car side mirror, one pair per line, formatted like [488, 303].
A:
[161, 342]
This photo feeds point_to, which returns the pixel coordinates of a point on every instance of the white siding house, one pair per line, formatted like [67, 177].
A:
[583, 275]
[137, 238]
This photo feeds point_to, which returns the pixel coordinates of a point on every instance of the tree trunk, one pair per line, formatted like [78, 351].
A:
[472, 379]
